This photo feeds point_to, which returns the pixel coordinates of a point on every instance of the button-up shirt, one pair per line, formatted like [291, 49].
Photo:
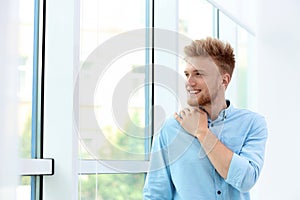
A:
[180, 169]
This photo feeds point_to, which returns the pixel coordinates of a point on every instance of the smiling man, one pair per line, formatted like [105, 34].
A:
[209, 150]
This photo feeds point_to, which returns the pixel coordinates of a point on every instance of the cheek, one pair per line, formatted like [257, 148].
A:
[214, 84]
[202, 82]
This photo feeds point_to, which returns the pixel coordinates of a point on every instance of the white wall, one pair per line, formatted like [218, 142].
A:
[278, 34]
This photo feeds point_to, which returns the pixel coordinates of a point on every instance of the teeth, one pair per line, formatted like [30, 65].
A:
[194, 91]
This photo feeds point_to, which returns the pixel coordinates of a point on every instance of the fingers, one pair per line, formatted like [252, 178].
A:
[192, 119]
[188, 111]
[184, 113]
[177, 117]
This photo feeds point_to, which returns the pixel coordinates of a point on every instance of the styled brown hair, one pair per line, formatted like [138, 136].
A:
[220, 52]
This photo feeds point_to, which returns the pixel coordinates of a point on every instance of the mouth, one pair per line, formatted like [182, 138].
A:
[194, 91]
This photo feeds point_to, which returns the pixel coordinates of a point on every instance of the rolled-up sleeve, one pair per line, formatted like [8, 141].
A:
[246, 166]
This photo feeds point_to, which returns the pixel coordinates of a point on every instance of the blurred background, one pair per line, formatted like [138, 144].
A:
[47, 68]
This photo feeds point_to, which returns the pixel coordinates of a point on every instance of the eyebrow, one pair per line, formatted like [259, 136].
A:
[196, 70]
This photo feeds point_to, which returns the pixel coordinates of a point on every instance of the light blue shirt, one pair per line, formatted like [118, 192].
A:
[180, 169]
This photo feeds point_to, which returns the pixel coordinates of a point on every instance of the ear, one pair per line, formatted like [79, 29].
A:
[225, 80]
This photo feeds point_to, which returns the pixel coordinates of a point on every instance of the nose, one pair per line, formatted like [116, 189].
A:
[191, 81]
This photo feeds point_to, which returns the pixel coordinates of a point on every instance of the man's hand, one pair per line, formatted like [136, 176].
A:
[193, 120]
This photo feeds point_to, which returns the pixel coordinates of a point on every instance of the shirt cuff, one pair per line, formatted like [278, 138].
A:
[238, 170]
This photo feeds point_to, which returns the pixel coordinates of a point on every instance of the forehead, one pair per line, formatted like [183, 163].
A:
[201, 63]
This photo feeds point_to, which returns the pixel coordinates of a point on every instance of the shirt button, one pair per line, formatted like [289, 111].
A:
[219, 192]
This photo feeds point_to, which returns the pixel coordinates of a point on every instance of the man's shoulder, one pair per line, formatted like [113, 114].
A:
[246, 116]
[171, 122]
[243, 112]
[169, 125]
[169, 128]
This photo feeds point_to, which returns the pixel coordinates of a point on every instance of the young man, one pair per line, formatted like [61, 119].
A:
[209, 150]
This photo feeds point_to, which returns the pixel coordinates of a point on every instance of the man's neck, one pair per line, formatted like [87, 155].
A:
[213, 110]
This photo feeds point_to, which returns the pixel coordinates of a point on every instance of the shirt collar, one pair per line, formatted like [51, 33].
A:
[228, 109]
[223, 113]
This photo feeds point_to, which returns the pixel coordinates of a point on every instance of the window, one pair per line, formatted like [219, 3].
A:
[106, 68]
[31, 51]
[197, 21]
[113, 98]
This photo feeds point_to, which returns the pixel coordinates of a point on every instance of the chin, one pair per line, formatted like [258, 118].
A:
[192, 102]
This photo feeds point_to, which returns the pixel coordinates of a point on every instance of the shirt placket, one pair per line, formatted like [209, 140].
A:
[219, 192]
[216, 127]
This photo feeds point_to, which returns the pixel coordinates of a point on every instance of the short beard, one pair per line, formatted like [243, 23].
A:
[201, 101]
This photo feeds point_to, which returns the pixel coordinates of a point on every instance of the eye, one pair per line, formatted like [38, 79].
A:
[198, 74]
[186, 74]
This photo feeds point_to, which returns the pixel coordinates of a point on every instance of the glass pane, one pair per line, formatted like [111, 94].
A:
[25, 68]
[113, 99]
[112, 94]
[227, 32]
[195, 18]
[111, 186]
[243, 44]
[99, 21]
[24, 189]
[25, 75]
[244, 60]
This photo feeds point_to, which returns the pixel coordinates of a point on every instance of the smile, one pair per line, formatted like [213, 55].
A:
[194, 91]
